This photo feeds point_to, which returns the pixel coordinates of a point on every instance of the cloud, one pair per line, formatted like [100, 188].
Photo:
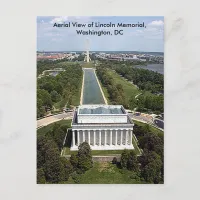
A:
[156, 23]
[59, 19]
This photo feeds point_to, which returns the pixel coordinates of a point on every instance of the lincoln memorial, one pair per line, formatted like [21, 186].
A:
[104, 127]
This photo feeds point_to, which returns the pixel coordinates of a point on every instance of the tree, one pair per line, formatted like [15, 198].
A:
[58, 135]
[40, 108]
[84, 157]
[151, 166]
[74, 161]
[68, 168]
[132, 163]
[45, 97]
[54, 169]
[152, 142]
[55, 96]
[124, 158]
[41, 142]
[40, 176]
[133, 103]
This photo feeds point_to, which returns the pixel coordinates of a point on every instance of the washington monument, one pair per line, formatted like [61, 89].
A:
[87, 57]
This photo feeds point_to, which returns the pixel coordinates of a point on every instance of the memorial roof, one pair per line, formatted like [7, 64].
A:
[101, 110]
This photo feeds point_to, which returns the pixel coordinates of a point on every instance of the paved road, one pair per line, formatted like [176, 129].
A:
[148, 119]
[159, 123]
[143, 117]
[54, 118]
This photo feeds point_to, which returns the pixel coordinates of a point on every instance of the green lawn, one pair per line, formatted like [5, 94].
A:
[49, 127]
[152, 129]
[105, 92]
[129, 89]
[76, 98]
[65, 63]
[105, 173]
[59, 105]
[88, 65]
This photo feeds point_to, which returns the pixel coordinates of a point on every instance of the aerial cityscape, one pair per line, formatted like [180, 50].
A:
[100, 113]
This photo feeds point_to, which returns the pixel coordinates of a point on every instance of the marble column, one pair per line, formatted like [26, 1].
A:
[89, 137]
[110, 136]
[99, 137]
[94, 137]
[131, 137]
[105, 137]
[73, 138]
[121, 137]
[78, 139]
[83, 135]
[115, 137]
[126, 136]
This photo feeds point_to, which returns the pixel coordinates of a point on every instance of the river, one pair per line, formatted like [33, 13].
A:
[153, 67]
[91, 91]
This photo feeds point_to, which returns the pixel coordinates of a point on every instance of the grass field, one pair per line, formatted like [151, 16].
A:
[152, 129]
[129, 89]
[104, 91]
[59, 105]
[65, 63]
[105, 173]
[88, 65]
[76, 98]
[49, 127]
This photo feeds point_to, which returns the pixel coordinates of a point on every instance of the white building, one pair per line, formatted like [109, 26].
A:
[104, 127]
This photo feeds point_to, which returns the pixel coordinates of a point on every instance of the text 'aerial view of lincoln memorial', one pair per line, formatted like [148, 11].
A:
[100, 100]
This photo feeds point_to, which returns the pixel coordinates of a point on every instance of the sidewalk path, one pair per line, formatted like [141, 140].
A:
[48, 120]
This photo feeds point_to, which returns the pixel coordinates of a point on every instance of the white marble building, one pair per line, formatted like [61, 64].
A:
[104, 127]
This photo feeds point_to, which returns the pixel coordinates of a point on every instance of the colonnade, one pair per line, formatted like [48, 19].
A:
[102, 137]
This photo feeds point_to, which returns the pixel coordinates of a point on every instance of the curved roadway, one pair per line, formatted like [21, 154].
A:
[48, 120]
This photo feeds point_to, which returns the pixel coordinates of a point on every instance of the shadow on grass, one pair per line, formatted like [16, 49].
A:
[68, 139]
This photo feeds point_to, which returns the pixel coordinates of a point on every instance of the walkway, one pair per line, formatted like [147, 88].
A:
[51, 119]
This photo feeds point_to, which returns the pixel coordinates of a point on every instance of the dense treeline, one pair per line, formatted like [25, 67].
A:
[144, 79]
[115, 91]
[148, 102]
[51, 167]
[43, 65]
[151, 85]
[81, 162]
[152, 159]
[148, 167]
[62, 87]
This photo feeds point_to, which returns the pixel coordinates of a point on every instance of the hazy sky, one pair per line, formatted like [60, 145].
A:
[149, 39]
